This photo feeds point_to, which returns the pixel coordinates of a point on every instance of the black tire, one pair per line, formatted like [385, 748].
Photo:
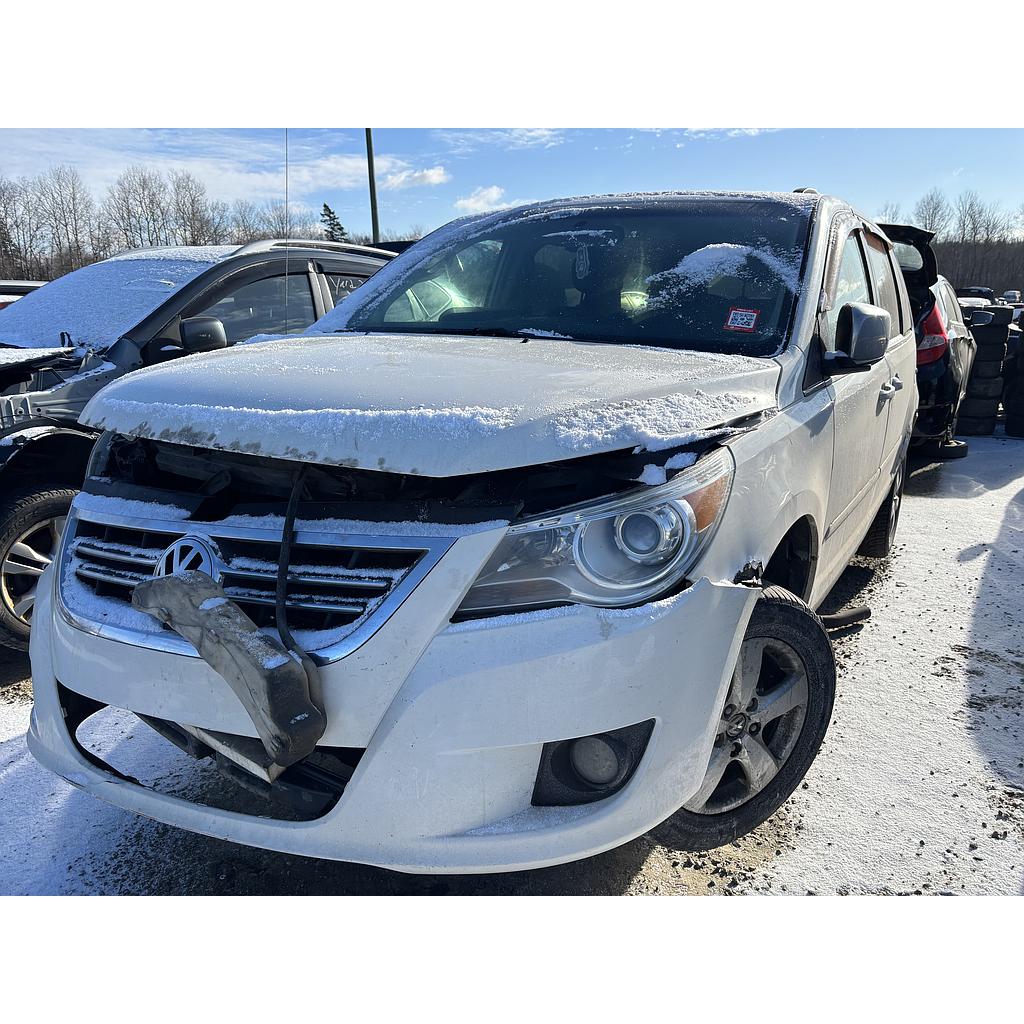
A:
[990, 351]
[986, 369]
[22, 511]
[1013, 396]
[878, 541]
[985, 388]
[1015, 426]
[979, 408]
[778, 615]
[970, 427]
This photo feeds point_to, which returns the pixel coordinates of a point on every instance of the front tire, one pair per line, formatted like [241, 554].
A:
[774, 720]
[31, 521]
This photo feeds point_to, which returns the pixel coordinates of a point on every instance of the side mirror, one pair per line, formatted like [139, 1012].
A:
[980, 317]
[862, 334]
[202, 334]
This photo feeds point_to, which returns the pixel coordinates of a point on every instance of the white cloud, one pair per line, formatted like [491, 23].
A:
[726, 133]
[462, 141]
[232, 165]
[482, 199]
[408, 177]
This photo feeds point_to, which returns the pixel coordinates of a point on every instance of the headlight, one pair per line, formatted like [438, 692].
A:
[617, 552]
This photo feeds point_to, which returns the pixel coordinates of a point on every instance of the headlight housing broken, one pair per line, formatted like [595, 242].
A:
[619, 551]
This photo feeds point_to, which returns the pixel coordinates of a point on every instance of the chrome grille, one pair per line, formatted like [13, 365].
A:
[340, 587]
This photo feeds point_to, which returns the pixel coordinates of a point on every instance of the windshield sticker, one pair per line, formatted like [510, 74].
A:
[742, 319]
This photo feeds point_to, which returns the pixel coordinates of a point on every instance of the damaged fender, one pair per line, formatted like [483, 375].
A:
[271, 684]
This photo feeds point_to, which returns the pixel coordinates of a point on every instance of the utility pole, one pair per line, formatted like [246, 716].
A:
[373, 185]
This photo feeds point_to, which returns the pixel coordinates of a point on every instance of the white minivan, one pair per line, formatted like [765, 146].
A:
[514, 557]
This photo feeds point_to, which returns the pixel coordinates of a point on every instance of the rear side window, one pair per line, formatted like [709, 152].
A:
[951, 306]
[908, 256]
[884, 286]
[851, 285]
[342, 284]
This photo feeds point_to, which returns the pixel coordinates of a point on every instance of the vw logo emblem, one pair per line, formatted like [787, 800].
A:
[186, 554]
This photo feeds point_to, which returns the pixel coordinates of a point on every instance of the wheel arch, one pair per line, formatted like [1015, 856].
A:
[52, 454]
[794, 559]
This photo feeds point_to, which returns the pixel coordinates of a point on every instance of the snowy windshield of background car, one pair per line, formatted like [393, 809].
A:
[718, 276]
[99, 303]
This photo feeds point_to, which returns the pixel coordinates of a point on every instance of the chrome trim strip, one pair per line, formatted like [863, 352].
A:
[432, 548]
[88, 551]
[354, 583]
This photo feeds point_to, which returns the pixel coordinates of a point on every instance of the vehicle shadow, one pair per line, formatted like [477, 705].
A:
[992, 659]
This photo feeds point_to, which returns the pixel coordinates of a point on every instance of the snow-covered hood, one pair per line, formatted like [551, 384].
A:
[92, 307]
[435, 406]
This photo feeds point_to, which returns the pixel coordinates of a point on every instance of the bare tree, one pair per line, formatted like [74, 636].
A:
[138, 208]
[890, 213]
[69, 214]
[932, 212]
[26, 249]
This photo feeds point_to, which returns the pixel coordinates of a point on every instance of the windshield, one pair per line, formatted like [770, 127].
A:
[717, 275]
[99, 303]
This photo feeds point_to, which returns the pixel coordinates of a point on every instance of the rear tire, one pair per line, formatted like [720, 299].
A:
[986, 369]
[878, 541]
[789, 660]
[30, 523]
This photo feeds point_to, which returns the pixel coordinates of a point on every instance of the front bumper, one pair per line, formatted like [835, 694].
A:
[453, 720]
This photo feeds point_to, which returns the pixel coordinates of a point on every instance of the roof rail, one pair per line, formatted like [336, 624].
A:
[267, 244]
[807, 189]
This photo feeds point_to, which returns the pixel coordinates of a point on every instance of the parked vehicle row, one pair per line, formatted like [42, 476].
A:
[516, 553]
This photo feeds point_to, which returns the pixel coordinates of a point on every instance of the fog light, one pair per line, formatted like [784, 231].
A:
[595, 760]
[589, 768]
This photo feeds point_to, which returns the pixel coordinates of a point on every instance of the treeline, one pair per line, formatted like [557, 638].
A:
[977, 243]
[52, 224]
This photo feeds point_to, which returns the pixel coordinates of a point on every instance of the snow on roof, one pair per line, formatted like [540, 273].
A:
[99, 303]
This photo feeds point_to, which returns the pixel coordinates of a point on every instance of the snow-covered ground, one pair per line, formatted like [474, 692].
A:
[919, 786]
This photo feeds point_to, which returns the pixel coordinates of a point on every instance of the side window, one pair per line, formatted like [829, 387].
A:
[341, 285]
[461, 281]
[884, 286]
[851, 286]
[271, 305]
[952, 307]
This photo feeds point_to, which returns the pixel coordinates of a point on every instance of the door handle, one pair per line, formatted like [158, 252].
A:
[887, 390]
[896, 383]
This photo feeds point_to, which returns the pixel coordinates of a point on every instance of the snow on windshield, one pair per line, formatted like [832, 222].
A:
[99, 303]
[728, 259]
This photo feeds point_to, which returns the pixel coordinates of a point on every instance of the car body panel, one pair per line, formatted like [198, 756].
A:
[437, 406]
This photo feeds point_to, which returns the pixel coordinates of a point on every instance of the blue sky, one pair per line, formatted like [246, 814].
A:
[428, 176]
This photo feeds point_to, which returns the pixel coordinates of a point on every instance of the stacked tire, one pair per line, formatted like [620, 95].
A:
[980, 407]
[1013, 385]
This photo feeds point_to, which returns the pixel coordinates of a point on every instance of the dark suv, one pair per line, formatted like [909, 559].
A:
[65, 341]
[945, 347]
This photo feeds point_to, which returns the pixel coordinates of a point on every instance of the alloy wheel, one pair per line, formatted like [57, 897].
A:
[760, 725]
[24, 562]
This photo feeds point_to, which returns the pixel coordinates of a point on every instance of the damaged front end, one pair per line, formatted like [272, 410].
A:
[208, 573]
